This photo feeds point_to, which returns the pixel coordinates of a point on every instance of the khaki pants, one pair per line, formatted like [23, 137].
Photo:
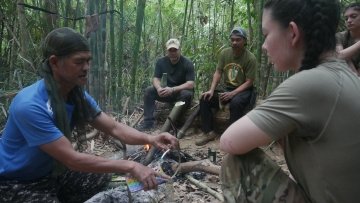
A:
[255, 178]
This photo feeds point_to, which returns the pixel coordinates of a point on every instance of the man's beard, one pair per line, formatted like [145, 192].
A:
[175, 59]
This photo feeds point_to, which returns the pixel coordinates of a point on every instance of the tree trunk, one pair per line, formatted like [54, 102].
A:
[262, 63]
[248, 12]
[95, 63]
[232, 23]
[119, 76]
[67, 12]
[184, 23]
[140, 11]
[112, 66]
[101, 46]
[77, 12]
[25, 40]
[51, 20]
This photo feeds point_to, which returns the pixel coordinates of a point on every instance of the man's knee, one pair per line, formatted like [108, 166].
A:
[150, 95]
[186, 95]
[149, 91]
[236, 105]
[240, 102]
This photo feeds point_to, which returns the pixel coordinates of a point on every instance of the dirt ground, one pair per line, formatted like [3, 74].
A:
[184, 191]
[187, 144]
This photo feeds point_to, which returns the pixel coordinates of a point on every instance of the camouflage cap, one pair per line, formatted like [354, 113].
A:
[239, 31]
[64, 41]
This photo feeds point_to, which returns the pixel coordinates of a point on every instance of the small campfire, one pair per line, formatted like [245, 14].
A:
[180, 166]
[146, 147]
[191, 177]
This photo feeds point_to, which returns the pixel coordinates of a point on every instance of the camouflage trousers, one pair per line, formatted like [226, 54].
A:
[255, 178]
[71, 187]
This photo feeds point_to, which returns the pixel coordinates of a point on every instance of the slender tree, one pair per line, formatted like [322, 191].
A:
[232, 23]
[94, 82]
[67, 12]
[101, 46]
[140, 11]
[184, 23]
[51, 20]
[119, 92]
[112, 66]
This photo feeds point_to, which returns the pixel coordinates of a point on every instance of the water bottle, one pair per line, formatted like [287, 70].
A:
[212, 155]
[164, 80]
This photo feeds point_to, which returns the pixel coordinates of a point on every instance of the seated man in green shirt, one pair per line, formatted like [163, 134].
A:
[237, 66]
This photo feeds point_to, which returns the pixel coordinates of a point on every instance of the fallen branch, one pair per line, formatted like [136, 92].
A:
[174, 114]
[205, 187]
[119, 144]
[3, 110]
[88, 136]
[137, 120]
[8, 95]
[91, 135]
[188, 122]
[191, 166]
[126, 105]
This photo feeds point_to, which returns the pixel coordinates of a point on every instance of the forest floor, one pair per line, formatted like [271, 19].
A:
[184, 191]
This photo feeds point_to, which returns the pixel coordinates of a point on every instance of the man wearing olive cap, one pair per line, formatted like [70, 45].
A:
[237, 67]
[179, 80]
[37, 160]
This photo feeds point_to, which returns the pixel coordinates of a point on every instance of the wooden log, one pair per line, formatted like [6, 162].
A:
[149, 155]
[174, 114]
[191, 166]
[188, 122]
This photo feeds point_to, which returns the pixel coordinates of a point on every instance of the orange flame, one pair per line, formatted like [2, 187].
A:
[146, 147]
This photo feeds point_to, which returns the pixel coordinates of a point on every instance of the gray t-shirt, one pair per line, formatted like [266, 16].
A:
[317, 114]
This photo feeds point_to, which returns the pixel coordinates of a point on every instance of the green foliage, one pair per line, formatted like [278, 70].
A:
[203, 32]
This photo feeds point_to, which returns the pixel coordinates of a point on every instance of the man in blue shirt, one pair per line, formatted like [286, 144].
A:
[37, 160]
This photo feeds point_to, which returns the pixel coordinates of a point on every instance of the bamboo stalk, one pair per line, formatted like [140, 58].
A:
[125, 107]
[188, 122]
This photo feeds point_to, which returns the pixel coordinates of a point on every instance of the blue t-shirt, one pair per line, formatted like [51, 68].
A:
[30, 124]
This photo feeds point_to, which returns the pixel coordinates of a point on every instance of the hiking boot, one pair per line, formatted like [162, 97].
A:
[145, 127]
[210, 136]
